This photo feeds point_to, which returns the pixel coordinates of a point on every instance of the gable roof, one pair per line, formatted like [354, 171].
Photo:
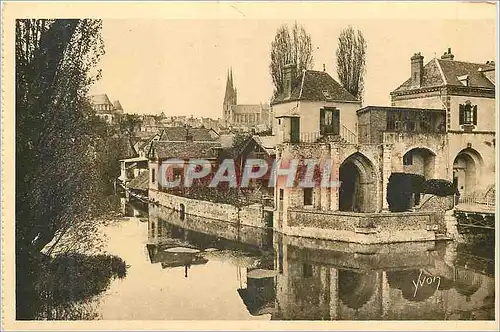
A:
[100, 99]
[441, 72]
[311, 87]
[186, 150]
[117, 105]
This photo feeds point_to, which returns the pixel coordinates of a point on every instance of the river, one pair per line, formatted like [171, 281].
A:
[203, 270]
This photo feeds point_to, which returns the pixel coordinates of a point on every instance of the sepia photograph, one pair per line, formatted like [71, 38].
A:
[249, 162]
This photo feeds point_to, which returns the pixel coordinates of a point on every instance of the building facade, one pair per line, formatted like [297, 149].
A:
[246, 117]
[105, 109]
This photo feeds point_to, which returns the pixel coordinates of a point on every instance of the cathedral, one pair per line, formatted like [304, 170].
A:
[245, 117]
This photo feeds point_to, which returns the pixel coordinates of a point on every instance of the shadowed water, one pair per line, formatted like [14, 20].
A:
[197, 269]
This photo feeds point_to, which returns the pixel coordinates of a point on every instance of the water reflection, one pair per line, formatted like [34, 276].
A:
[67, 285]
[303, 279]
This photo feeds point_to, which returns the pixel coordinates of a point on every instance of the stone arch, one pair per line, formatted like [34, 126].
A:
[420, 160]
[466, 170]
[358, 184]
[355, 288]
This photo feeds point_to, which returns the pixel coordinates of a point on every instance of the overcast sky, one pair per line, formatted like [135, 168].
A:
[179, 66]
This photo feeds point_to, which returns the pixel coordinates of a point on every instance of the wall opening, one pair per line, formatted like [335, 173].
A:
[358, 189]
[466, 170]
[420, 161]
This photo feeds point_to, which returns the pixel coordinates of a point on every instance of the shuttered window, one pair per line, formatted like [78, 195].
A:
[467, 114]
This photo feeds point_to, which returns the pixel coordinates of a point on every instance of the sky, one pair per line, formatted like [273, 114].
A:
[179, 65]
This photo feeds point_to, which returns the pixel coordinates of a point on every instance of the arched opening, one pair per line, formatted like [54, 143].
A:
[182, 211]
[357, 191]
[356, 289]
[466, 167]
[419, 161]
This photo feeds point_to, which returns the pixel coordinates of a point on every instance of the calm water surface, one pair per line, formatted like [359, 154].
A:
[196, 269]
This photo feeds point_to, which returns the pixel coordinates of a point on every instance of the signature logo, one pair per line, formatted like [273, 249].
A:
[425, 279]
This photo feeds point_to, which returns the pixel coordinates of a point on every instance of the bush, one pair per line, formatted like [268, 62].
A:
[399, 192]
[417, 183]
[439, 187]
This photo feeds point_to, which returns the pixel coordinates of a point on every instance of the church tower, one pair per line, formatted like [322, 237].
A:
[230, 98]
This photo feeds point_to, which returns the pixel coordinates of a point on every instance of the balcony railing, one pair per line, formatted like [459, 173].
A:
[304, 137]
[408, 137]
[348, 135]
[474, 200]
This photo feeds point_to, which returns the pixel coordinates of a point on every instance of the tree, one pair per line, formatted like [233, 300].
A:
[289, 47]
[59, 186]
[351, 61]
[128, 124]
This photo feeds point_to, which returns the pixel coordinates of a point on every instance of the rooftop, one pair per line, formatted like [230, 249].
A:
[186, 150]
[447, 72]
[101, 99]
[316, 86]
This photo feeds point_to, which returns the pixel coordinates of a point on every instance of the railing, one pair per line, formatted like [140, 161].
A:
[303, 137]
[407, 137]
[349, 136]
[473, 200]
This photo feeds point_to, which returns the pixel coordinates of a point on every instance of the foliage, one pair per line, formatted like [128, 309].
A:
[62, 148]
[128, 124]
[439, 187]
[399, 192]
[417, 182]
[289, 47]
[68, 283]
[351, 61]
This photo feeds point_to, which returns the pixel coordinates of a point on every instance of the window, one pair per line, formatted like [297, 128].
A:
[279, 121]
[308, 196]
[177, 173]
[282, 193]
[392, 118]
[153, 175]
[467, 113]
[327, 95]
[329, 121]
[307, 270]
[408, 159]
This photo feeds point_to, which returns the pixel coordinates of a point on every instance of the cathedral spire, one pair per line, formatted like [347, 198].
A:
[228, 97]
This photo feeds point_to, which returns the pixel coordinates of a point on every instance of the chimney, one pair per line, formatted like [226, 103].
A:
[289, 77]
[417, 69]
[448, 55]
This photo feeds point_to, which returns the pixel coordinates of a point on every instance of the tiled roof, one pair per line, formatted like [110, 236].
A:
[100, 99]
[140, 182]
[117, 105]
[186, 150]
[180, 134]
[440, 72]
[311, 87]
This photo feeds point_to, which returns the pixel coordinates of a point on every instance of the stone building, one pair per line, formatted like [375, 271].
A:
[464, 92]
[245, 117]
[106, 109]
[441, 125]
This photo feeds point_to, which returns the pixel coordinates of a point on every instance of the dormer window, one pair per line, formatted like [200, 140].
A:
[464, 79]
[327, 95]
[468, 114]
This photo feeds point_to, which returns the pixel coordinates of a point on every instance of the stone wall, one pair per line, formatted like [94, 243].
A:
[251, 215]
[364, 227]
[239, 233]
